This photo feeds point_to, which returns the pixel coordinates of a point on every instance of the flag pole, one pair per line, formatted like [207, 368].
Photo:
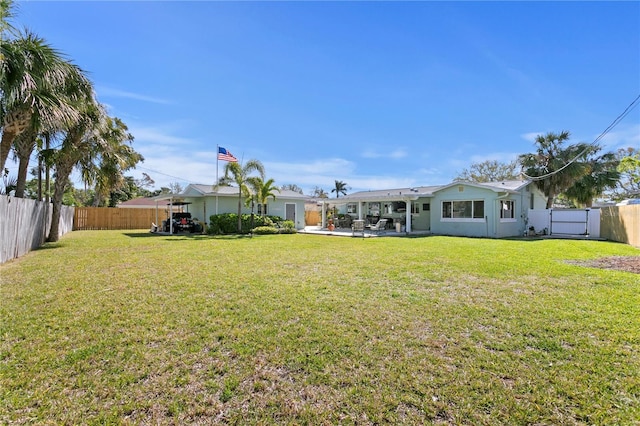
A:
[217, 181]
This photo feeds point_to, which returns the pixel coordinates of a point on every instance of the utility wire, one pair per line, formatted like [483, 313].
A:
[613, 124]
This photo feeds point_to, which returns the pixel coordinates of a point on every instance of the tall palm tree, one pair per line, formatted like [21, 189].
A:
[340, 188]
[36, 82]
[115, 156]
[262, 191]
[79, 147]
[239, 175]
[557, 167]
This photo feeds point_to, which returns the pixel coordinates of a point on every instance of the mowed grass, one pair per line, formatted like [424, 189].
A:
[129, 328]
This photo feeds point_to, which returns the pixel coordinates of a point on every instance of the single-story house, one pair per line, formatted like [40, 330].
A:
[202, 201]
[491, 209]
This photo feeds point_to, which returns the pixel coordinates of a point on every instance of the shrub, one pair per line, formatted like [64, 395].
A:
[265, 230]
[227, 223]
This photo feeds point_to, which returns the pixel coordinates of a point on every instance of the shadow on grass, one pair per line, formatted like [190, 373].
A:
[184, 237]
[48, 246]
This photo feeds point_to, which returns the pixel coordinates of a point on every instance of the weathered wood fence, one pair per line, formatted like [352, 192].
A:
[24, 225]
[621, 223]
[104, 218]
[312, 217]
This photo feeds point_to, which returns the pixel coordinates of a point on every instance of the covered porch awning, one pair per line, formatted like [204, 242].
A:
[407, 196]
[171, 201]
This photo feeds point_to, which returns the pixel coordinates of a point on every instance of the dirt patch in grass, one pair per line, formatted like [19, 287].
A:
[619, 263]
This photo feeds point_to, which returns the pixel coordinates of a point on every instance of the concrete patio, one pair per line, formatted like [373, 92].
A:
[347, 232]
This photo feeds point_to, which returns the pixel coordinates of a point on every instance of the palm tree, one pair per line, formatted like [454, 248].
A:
[80, 146]
[116, 156]
[6, 29]
[556, 168]
[602, 175]
[319, 193]
[262, 191]
[240, 174]
[340, 188]
[36, 83]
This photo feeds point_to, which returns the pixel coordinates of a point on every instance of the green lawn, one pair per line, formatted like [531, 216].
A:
[111, 327]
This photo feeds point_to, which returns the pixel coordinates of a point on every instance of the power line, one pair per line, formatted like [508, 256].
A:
[164, 174]
[613, 124]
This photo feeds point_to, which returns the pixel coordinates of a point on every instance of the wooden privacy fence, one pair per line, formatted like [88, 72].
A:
[621, 223]
[24, 225]
[312, 217]
[105, 218]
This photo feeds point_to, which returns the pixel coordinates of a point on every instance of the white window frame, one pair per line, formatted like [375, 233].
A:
[511, 217]
[463, 219]
[415, 207]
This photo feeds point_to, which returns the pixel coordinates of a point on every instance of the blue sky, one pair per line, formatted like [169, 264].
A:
[375, 94]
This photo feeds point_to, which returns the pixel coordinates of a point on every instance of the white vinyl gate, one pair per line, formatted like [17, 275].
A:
[573, 222]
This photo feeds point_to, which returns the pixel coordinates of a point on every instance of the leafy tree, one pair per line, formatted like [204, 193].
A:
[629, 168]
[555, 167]
[319, 193]
[175, 188]
[602, 175]
[262, 191]
[340, 188]
[489, 171]
[292, 187]
[239, 175]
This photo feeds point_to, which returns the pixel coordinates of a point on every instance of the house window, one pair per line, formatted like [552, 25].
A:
[426, 207]
[261, 207]
[415, 207]
[507, 210]
[463, 211]
[399, 206]
[352, 208]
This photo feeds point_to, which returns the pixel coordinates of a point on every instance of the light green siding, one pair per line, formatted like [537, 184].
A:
[489, 223]
[203, 207]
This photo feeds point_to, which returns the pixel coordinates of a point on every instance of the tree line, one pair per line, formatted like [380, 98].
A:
[574, 174]
[48, 105]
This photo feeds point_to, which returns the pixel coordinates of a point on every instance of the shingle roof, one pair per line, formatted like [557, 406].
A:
[427, 191]
[233, 190]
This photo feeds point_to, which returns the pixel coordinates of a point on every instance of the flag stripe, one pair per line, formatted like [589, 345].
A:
[225, 155]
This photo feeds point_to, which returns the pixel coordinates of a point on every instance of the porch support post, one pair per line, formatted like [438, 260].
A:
[324, 216]
[360, 209]
[171, 216]
[408, 205]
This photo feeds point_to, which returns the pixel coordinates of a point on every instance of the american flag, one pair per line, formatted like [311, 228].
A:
[225, 155]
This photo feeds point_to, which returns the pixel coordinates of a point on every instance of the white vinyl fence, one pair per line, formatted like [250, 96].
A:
[572, 222]
[24, 225]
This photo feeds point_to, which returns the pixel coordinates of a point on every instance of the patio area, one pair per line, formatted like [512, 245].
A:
[347, 232]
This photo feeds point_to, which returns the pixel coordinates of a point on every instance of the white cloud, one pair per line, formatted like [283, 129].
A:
[397, 153]
[531, 136]
[503, 157]
[117, 93]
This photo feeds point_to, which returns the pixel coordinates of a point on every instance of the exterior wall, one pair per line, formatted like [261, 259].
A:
[491, 225]
[422, 220]
[464, 227]
[203, 207]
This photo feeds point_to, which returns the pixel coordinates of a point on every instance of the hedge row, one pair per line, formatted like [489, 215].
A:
[227, 223]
